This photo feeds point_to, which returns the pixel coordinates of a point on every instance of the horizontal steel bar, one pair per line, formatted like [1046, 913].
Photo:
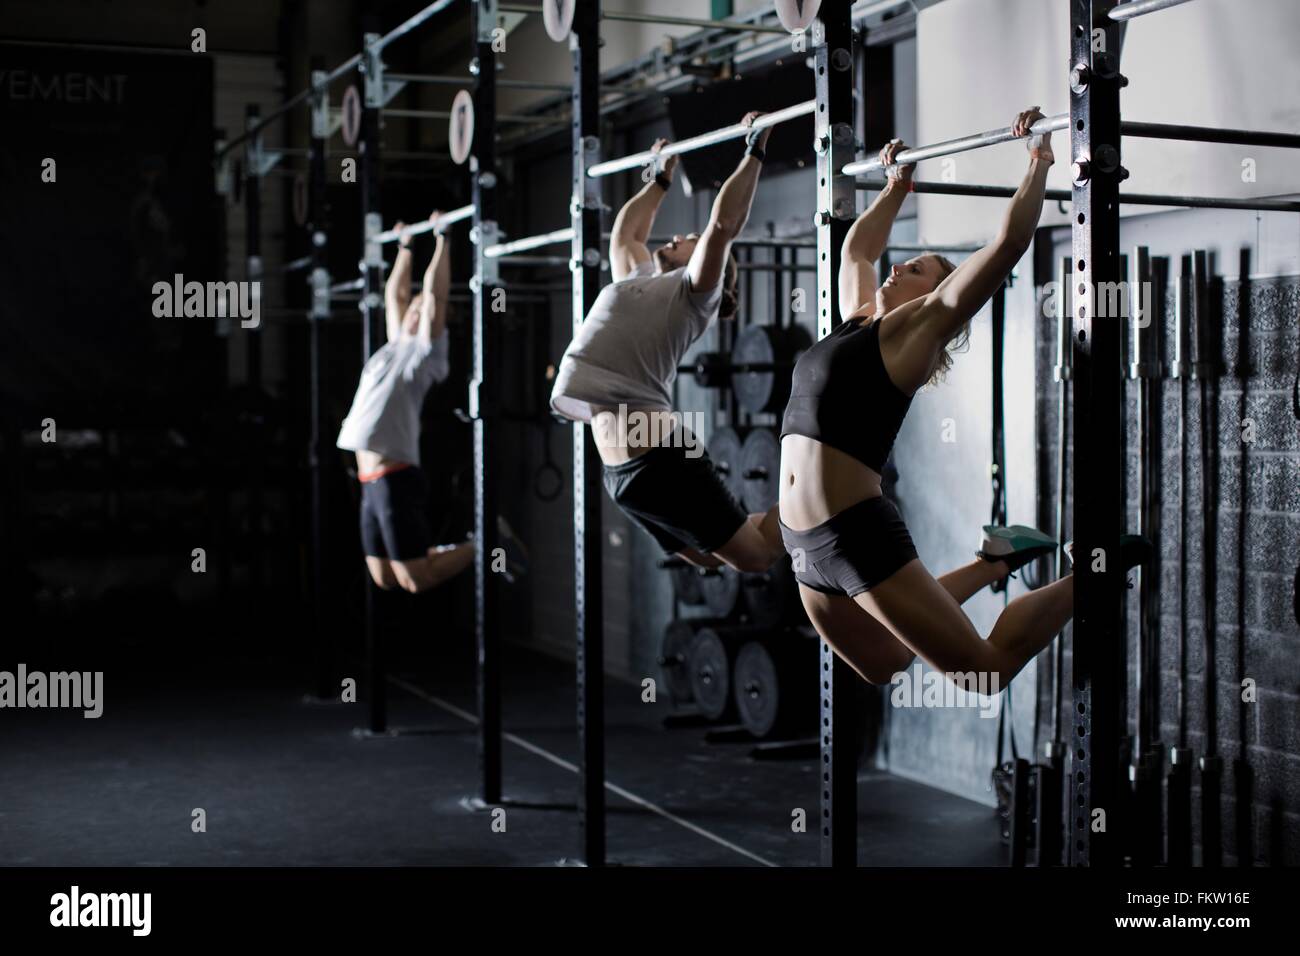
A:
[468, 80]
[446, 219]
[559, 261]
[529, 242]
[963, 144]
[409, 24]
[630, 17]
[637, 160]
[294, 265]
[627, 17]
[1132, 199]
[1210, 134]
[777, 266]
[1127, 11]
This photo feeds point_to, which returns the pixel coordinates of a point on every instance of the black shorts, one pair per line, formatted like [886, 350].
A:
[852, 551]
[680, 500]
[394, 515]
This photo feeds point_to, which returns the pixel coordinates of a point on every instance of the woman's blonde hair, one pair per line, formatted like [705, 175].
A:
[960, 340]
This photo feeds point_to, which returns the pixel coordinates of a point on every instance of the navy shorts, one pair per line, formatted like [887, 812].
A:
[394, 515]
[852, 551]
[677, 495]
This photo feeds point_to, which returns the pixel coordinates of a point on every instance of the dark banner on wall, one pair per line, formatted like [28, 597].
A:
[106, 188]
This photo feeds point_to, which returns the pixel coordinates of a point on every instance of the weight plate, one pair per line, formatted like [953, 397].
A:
[710, 674]
[766, 391]
[760, 469]
[721, 589]
[772, 597]
[686, 585]
[757, 689]
[754, 390]
[675, 660]
[724, 451]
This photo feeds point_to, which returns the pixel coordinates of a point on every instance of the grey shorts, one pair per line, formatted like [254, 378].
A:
[852, 551]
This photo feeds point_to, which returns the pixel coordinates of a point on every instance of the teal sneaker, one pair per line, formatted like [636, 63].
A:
[1015, 544]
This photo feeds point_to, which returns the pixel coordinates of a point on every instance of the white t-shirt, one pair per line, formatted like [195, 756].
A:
[629, 346]
[385, 414]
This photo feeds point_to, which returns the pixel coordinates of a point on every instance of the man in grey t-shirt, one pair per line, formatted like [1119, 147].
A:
[617, 374]
[383, 429]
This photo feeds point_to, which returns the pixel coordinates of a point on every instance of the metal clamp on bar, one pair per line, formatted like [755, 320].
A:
[1050, 124]
[646, 157]
[485, 236]
[372, 255]
[320, 295]
[372, 71]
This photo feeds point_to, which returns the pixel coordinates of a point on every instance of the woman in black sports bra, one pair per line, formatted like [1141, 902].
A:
[864, 588]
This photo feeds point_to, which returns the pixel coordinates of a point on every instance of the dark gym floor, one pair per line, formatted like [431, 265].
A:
[286, 782]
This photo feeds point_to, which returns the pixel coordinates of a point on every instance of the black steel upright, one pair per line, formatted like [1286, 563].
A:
[589, 605]
[483, 402]
[836, 208]
[253, 233]
[254, 168]
[323, 631]
[372, 329]
[1099, 507]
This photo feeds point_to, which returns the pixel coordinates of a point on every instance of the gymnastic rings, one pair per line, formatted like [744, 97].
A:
[548, 481]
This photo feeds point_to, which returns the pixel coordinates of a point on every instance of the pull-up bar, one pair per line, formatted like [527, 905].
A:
[1133, 199]
[503, 249]
[1127, 11]
[963, 144]
[529, 242]
[429, 225]
[630, 17]
[1050, 124]
[644, 158]
[347, 66]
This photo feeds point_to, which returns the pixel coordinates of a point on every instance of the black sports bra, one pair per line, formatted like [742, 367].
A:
[842, 395]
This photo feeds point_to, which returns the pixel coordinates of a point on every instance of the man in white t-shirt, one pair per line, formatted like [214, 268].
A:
[383, 429]
[618, 371]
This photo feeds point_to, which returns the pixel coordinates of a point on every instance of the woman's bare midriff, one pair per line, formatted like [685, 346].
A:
[818, 481]
[622, 437]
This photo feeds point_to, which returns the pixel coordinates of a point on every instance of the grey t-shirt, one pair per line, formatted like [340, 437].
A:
[385, 414]
[627, 350]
